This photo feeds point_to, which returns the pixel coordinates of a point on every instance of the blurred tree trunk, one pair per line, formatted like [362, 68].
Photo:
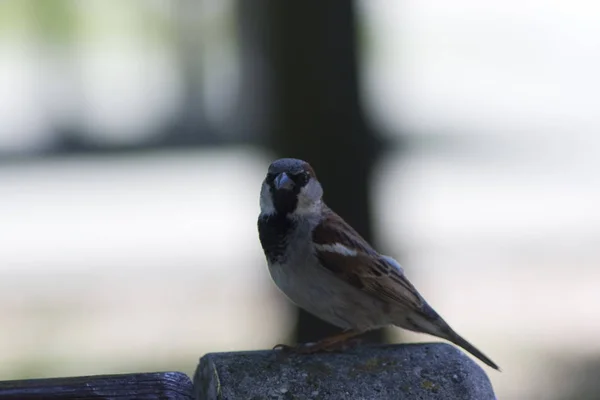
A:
[315, 111]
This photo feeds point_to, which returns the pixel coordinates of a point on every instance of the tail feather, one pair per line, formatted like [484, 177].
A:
[460, 341]
[430, 322]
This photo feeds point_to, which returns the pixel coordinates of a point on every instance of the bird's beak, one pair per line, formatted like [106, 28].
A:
[283, 181]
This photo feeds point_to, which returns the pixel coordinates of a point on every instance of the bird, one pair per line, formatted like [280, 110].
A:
[325, 267]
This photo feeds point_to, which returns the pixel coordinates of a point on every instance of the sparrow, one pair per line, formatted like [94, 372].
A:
[325, 267]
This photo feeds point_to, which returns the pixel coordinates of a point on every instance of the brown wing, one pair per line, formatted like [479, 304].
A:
[367, 270]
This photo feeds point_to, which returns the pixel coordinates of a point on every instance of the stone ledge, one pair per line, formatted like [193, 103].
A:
[424, 371]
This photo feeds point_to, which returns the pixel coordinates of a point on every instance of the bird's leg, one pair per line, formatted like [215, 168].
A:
[331, 343]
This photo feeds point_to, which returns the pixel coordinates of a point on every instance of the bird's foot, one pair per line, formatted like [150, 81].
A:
[283, 347]
[335, 343]
[300, 348]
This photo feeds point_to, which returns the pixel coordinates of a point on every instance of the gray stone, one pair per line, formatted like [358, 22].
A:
[408, 371]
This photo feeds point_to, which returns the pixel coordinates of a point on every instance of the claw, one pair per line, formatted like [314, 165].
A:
[336, 343]
[283, 347]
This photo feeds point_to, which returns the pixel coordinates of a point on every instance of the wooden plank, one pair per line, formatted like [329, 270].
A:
[145, 386]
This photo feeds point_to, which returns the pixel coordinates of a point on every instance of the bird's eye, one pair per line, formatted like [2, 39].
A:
[302, 178]
[270, 178]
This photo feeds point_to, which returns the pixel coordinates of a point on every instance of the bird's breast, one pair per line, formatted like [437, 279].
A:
[322, 294]
[274, 233]
[295, 269]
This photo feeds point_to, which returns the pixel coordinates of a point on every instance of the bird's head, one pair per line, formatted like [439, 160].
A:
[290, 188]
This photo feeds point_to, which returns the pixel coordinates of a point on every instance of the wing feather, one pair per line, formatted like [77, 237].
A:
[360, 265]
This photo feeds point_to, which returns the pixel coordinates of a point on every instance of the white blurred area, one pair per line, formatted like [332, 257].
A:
[500, 229]
[113, 264]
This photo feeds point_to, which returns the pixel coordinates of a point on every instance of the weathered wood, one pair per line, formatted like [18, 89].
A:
[146, 386]
[427, 371]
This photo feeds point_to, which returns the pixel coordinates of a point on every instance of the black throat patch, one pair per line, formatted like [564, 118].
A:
[274, 231]
[285, 201]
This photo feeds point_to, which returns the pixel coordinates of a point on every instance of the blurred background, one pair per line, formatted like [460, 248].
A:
[461, 137]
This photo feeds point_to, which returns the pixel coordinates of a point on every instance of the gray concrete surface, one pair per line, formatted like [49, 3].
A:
[424, 371]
